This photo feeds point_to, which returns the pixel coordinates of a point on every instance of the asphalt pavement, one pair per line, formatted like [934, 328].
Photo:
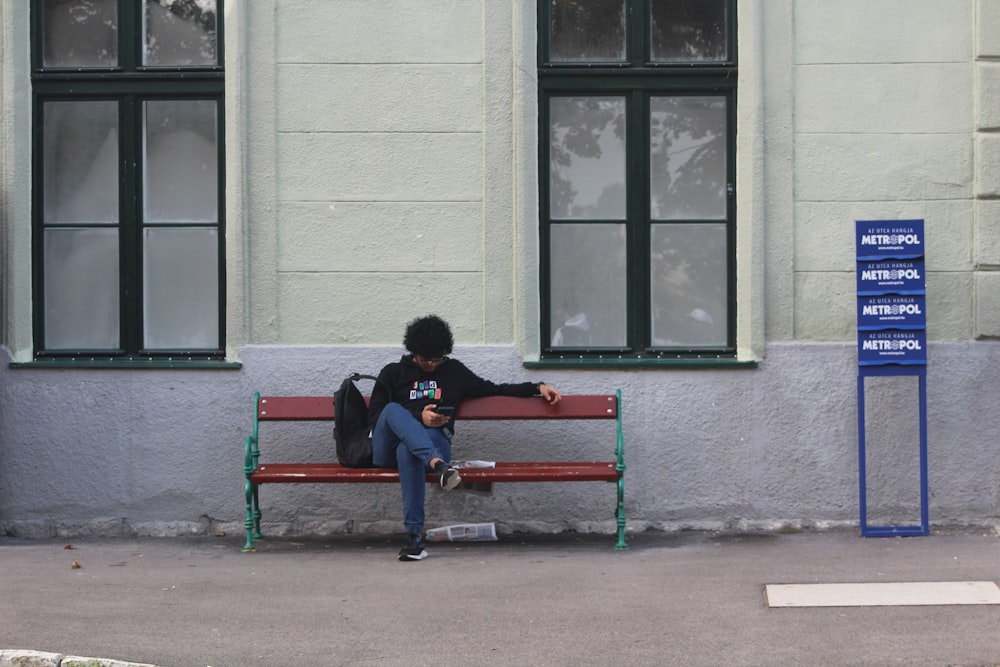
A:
[684, 598]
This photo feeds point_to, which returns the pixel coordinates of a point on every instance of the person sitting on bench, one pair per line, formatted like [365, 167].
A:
[408, 431]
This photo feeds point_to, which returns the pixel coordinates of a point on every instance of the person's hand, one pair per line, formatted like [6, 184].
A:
[550, 394]
[432, 419]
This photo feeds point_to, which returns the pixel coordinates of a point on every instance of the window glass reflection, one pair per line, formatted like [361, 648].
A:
[80, 158]
[180, 33]
[688, 285]
[588, 283]
[587, 158]
[181, 288]
[180, 160]
[587, 31]
[81, 289]
[687, 158]
[688, 30]
[79, 33]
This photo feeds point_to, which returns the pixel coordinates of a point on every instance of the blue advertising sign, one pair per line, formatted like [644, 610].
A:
[892, 347]
[891, 276]
[892, 334]
[889, 239]
[897, 311]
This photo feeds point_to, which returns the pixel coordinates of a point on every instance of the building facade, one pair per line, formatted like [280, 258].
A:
[205, 199]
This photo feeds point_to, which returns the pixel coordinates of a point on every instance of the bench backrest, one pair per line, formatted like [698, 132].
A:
[320, 408]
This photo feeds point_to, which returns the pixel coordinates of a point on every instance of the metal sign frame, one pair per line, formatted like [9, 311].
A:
[868, 530]
[892, 338]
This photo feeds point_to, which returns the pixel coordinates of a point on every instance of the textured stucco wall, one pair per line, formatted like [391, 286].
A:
[382, 166]
[162, 453]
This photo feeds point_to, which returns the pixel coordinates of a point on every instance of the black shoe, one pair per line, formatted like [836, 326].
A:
[413, 549]
[449, 476]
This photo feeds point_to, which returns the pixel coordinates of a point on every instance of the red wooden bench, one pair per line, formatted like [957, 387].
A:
[320, 408]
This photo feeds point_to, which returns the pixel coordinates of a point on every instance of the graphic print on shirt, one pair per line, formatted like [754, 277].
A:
[425, 389]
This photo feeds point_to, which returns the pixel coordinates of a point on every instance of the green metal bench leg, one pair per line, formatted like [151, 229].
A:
[622, 545]
[256, 513]
[252, 521]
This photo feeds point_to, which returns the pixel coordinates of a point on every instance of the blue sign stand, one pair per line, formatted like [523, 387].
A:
[893, 531]
[892, 338]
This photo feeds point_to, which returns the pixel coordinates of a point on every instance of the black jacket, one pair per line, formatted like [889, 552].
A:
[403, 382]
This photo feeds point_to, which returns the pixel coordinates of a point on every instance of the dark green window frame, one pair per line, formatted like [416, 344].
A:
[133, 90]
[636, 81]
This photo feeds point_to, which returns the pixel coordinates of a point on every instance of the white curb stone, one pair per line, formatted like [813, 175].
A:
[77, 661]
[23, 658]
[26, 658]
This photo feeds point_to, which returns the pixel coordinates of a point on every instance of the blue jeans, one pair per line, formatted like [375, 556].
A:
[400, 441]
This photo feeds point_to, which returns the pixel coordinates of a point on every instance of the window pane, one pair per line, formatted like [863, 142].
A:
[179, 33]
[687, 157]
[588, 285]
[80, 33]
[688, 30]
[688, 285]
[181, 288]
[81, 289]
[80, 155]
[587, 158]
[180, 160]
[588, 30]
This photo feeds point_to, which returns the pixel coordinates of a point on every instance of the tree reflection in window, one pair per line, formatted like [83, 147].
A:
[587, 158]
[687, 155]
[588, 30]
[180, 33]
[687, 31]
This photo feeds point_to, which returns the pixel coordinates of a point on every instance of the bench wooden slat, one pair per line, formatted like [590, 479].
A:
[295, 408]
[287, 473]
[553, 471]
[509, 407]
[320, 408]
[505, 471]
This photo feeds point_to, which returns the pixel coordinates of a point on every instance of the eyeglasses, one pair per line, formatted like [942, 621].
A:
[437, 361]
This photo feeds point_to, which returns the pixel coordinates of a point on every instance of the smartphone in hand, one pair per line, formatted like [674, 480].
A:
[446, 410]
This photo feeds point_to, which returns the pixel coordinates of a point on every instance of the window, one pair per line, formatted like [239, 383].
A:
[128, 205]
[637, 109]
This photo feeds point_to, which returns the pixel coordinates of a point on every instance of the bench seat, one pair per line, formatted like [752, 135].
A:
[513, 471]
[320, 408]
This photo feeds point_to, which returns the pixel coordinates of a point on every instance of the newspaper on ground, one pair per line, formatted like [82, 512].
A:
[464, 532]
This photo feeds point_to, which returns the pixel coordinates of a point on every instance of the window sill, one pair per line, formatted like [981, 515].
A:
[639, 362]
[129, 363]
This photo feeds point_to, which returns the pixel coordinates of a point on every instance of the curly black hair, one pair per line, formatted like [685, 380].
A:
[429, 337]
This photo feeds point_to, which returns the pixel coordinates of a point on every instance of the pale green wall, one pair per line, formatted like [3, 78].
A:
[403, 171]
[381, 142]
[392, 171]
[381, 164]
[987, 236]
[15, 169]
[893, 119]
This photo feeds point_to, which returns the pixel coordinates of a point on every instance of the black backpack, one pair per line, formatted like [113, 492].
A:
[350, 424]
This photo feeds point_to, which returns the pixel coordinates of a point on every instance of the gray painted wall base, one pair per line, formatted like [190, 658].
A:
[136, 453]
